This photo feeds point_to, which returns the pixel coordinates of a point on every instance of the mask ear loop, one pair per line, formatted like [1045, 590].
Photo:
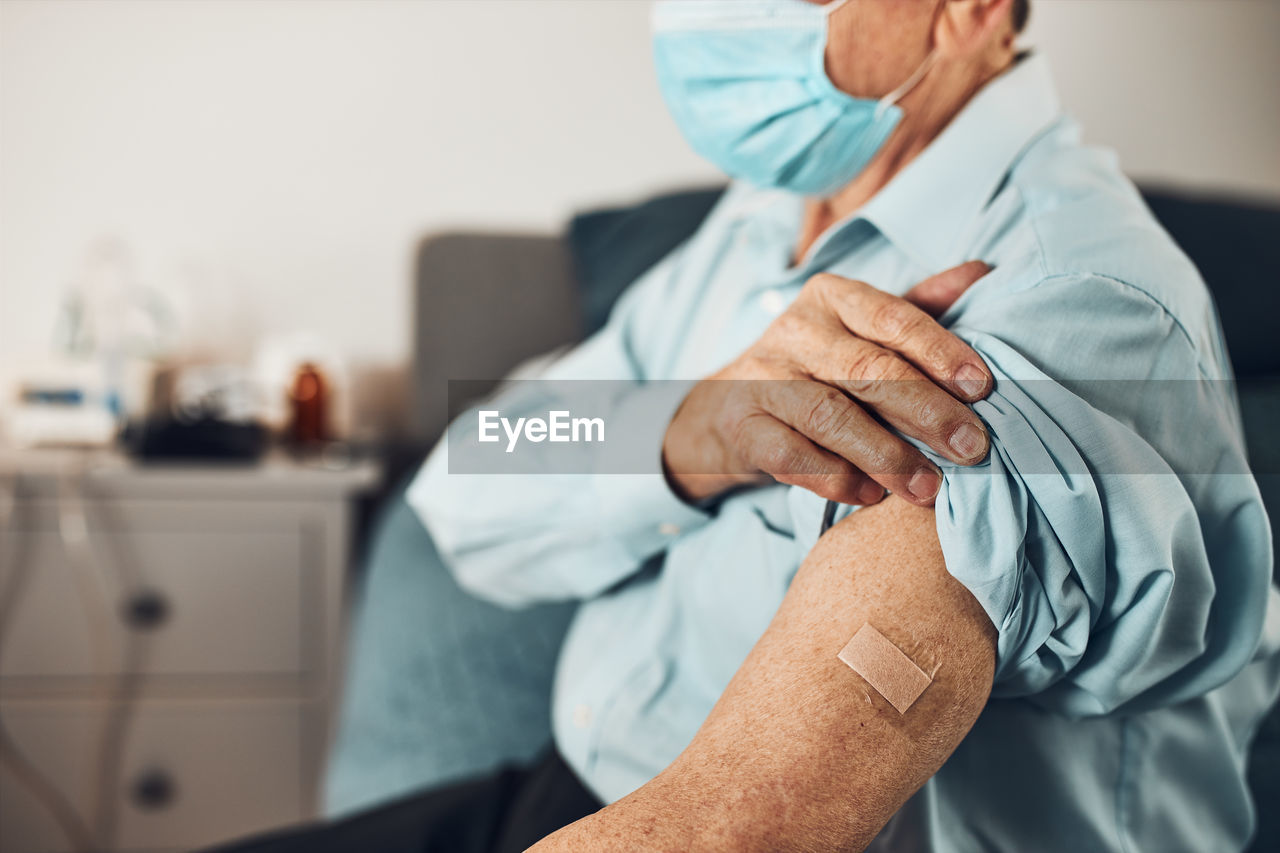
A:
[911, 82]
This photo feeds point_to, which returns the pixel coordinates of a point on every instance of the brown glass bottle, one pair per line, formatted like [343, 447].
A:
[309, 404]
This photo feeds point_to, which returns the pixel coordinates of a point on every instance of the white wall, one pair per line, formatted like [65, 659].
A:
[294, 151]
[279, 159]
[1188, 91]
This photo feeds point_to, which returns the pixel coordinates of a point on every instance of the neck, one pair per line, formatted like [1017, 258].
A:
[929, 111]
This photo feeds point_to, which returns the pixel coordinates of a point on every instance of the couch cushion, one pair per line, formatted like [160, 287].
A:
[440, 685]
[612, 247]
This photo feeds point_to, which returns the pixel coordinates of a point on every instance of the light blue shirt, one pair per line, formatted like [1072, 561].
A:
[1112, 535]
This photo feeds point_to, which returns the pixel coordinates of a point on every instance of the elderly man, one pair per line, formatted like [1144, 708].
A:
[1052, 634]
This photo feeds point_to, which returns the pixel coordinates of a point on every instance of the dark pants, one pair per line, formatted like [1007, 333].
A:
[505, 812]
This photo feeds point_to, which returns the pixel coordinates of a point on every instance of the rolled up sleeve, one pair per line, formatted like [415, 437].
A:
[1114, 535]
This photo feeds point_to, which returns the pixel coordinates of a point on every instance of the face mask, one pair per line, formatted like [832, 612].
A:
[746, 82]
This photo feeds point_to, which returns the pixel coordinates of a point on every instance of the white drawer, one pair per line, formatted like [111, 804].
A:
[234, 580]
[213, 772]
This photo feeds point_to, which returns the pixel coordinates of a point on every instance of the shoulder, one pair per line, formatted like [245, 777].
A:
[1070, 232]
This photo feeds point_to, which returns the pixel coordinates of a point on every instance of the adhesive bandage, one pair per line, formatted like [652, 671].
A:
[884, 666]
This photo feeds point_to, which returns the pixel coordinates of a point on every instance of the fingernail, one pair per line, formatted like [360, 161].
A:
[924, 484]
[971, 381]
[870, 493]
[968, 441]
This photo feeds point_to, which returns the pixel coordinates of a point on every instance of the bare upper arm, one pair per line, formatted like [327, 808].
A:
[800, 752]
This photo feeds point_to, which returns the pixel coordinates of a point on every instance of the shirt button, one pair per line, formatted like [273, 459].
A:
[669, 529]
[773, 302]
[581, 716]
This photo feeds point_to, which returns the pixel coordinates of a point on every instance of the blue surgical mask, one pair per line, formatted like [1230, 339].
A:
[747, 84]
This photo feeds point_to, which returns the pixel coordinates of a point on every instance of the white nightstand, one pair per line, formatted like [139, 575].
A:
[246, 568]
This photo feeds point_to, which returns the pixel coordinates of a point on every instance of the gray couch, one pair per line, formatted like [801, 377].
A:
[487, 301]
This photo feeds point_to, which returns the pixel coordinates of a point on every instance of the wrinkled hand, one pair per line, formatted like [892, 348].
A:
[811, 403]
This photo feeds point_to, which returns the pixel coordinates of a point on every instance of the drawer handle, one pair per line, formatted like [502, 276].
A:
[146, 610]
[154, 790]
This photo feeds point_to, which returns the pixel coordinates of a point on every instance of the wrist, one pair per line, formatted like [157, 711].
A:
[692, 483]
[699, 490]
[697, 464]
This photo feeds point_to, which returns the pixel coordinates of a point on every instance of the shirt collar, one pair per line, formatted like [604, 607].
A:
[925, 209]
